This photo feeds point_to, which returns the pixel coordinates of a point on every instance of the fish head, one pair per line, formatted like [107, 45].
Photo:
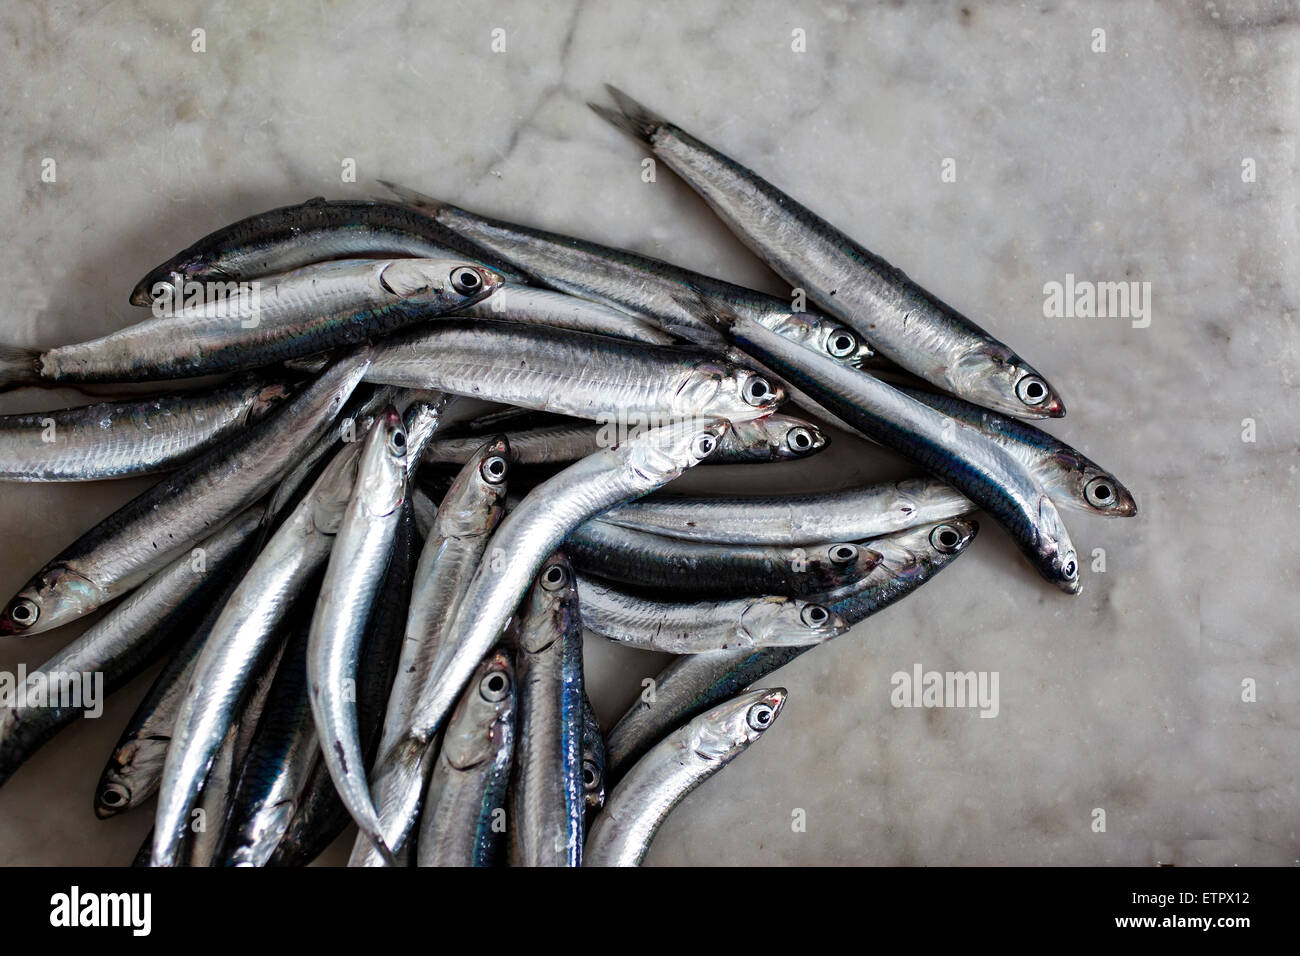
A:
[844, 344]
[171, 276]
[473, 503]
[736, 394]
[848, 560]
[381, 474]
[777, 438]
[141, 757]
[727, 729]
[484, 713]
[593, 783]
[446, 283]
[788, 622]
[551, 608]
[1089, 488]
[54, 597]
[658, 455]
[1057, 560]
[993, 376]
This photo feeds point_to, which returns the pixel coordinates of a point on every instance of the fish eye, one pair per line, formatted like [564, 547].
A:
[814, 615]
[1032, 390]
[759, 716]
[494, 470]
[466, 281]
[843, 553]
[703, 446]
[112, 796]
[945, 538]
[24, 612]
[757, 390]
[494, 687]
[554, 578]
[1070, 568]
[397, 442]
[590, 775]
[799, 438]
[842, 344]
[1100, 492]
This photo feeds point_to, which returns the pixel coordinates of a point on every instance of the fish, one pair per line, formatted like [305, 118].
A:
[704, 625]
[123, 439]
[524, 540]
[693, 683]
[655, 290]
[465, 807]
[1073, 480]
[626, 384]
[774, 437]
[593, 758]
[547, 798]
[514, 302]
[642, 800]
[795, 519]
[690, 569]
[291, 237]
[121, 644]
[357, 564]
[155, 527]
[295, 314]
[242, 636]
[904, 322]
[959, 454]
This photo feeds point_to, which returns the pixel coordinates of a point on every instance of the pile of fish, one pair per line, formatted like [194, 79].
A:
[413, 474]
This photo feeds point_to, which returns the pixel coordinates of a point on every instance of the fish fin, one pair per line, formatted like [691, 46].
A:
[708, 309]
[19, 367]
[412, 198]
[316, 201]
[638, 121]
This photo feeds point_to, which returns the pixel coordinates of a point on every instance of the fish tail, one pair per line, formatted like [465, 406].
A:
[413, 198]
[19, 367]
[638, 121]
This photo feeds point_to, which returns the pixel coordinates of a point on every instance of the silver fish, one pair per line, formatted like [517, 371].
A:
[298, 313]
[120, 644]
[593, 758]
[699, 627]
[903, 321]
[154, 528]
[527, 537]
[960, 454]
[547, 797]
[788, 520]
[126, 438]
[357, 563]
[682, 761]
[693, 683]
[521, 303]
[464, 809]
[574, 373]
[241, 637]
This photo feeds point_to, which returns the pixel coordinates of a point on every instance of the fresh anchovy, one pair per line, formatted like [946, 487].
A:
[294, 236]
[280, 759]
[520, 303]
[213, 808]
[465, 804]
[319, 816]
[241, 637]
[693, 683]
[465, 522]
[699, 627]
[678, 764]
[651, 288]
[121, 439]
[966, 458]
[699, 568]
[154, 528]
[547, 798]
[593, 758]
[298, 313]
[1073, 480]
[574, 373]
[527, 537]
[796, 519]
[774, 437]
[119, 645]
[903, 321]
[357, 565]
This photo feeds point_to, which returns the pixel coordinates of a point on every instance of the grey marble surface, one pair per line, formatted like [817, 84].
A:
[1125, 165]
